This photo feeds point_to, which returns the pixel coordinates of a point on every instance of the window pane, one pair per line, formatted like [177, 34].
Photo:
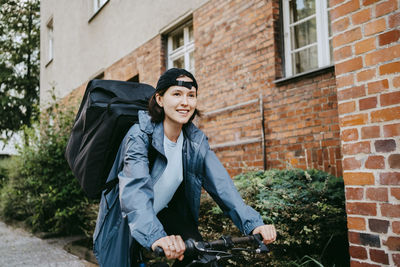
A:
[177, 40]
[191, 61]
[190, 33]
[305, 60]
[179, 63]
[304, 33]
[300, 9]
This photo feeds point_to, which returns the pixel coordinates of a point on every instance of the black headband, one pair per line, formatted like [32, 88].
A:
[169, 77]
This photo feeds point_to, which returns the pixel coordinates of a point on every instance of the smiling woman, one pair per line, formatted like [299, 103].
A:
[162, 164]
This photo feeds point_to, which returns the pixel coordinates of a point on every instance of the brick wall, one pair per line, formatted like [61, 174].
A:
[367, 53]
[238, 58]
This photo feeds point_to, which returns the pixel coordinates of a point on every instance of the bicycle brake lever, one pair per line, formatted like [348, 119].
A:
[262, 248]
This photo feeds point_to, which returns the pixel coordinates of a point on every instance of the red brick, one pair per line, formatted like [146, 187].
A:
[396, 81]
[342, 53]
[377, 86]
[353, 120]
[375, 26]
[394, 20]
[389, 37]
[379, 256]
[354, 193]
[396, 259]
[365, 45]
[350, 93]
[382, 55]
[354, 263]
[390, 99]
[368, 103]
[358, 178]
[378, 226]
[393, 243]
[389, 68]
[396, 227]
[349, 135]
[394, 161]
[390, 178]
[366, 75]
[377, 194]
[358, 252]
[375, 162]
[391, 130]
[356, 223]
[340, 25]
[333, 3]
[344, 9]
[385, 7]
[357, 148]
[354, 237]
[370, 132]
[387, 145]
[395, 192]
[349, 65]
[347, 107]
[385, 114]
[361, 16]
[351, 164]
[390, 210]
[344, 81]
[369, 2]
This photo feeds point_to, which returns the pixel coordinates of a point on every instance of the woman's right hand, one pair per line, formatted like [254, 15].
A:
[173, 246]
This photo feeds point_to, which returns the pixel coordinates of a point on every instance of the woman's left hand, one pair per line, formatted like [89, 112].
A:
[267, 231]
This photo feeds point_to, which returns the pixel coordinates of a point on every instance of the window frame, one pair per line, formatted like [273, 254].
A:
[322, 32]
[50, 41]
[185, 50]
[98, 4]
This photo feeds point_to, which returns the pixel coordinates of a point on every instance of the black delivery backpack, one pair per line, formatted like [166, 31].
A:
[107, 111]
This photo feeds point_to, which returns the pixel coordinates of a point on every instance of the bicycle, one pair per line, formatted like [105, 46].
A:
[210, 253]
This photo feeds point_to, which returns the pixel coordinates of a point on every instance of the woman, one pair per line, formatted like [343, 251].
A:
[162, 163]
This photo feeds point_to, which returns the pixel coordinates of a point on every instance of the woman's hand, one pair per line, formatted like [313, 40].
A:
[267, 231]
[173, 246]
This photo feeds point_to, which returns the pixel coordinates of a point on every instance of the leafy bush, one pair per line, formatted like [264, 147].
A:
[41, 189]
[307, 208]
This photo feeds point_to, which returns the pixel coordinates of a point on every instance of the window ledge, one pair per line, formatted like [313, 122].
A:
[48, 63]
[98, 11]
[306, 74]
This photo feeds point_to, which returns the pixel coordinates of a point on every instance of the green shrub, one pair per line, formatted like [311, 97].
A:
[42, 190]
[307, 208]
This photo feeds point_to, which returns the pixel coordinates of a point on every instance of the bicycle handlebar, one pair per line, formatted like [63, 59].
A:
[226, 242]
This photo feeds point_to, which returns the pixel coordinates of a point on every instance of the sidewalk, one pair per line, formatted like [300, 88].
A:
[20, 248]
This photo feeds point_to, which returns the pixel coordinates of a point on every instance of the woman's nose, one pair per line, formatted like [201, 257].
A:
[184, 101]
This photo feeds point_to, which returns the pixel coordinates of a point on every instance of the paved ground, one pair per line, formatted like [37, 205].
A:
[20, 248]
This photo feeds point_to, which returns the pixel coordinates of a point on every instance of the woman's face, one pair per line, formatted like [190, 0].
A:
[178, 102]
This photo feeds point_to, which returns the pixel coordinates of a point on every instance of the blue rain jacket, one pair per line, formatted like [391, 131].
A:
[127, 211]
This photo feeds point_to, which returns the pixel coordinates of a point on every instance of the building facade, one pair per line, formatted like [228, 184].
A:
[308, 84]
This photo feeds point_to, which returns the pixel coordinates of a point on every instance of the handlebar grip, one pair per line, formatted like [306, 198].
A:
[159, 252]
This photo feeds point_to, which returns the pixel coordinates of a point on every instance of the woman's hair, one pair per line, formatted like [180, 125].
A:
[167, 80]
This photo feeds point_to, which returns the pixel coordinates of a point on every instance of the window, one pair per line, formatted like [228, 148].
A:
[97, 4]
[180, 51]
[50, 41]
[307, 35]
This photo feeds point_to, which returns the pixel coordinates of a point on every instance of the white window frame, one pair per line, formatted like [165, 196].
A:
[185, 50]
[50, 41]
[98, 4]
[323, 38]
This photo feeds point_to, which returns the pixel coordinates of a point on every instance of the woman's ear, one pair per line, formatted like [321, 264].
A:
[159, 100]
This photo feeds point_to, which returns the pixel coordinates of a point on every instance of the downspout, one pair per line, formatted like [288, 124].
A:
[263, 132]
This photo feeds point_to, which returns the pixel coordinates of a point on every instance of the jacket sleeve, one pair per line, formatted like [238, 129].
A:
[220, 186]
[136, 192]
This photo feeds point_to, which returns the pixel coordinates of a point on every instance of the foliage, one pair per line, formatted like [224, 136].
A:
[42, 191]
[19, 64]
[307, 208]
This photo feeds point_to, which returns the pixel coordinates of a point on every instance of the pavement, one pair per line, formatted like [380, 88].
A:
[21, 248]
